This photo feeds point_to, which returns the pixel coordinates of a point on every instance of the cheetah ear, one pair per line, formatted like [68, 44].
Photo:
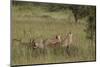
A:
[70, 32]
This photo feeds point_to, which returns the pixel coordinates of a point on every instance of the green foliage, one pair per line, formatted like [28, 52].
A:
[82, 11]
[56, 7]
[91, 28]
[91, 23]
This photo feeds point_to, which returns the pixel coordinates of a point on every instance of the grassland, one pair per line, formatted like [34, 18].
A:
[35, 22]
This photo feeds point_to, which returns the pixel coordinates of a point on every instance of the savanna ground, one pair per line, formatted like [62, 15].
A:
[35, 22]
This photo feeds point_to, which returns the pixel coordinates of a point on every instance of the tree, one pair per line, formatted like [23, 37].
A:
[81, 11]
[91, 28]
[91, 23]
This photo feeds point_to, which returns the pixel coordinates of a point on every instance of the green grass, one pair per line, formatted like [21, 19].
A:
[37, 23]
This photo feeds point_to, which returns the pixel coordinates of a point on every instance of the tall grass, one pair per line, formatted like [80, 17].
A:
[37, 23]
